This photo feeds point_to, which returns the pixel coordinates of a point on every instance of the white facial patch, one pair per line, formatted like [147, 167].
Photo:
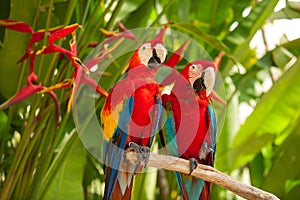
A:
[194, 72]
[145, 53]
[161, 52]
[209, 80]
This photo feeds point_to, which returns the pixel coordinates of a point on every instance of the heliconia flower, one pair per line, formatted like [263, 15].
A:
[109, 33]
[81, 71]
[218, 59]
[217, 62]
[17, 26]
[29, 89]
[24, 93]
[102, 54]
[93, 44]
[63, 32]
[116, 35]
[36, 37]
[24, 27]
[177, 55]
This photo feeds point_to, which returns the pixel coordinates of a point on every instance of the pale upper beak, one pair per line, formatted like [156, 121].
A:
[205, 81]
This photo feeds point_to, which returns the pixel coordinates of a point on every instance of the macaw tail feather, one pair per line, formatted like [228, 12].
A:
[123, 185]
[117, 193]
[205, 194]
[192, 187]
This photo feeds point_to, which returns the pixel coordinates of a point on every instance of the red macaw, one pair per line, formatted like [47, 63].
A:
[130, 117]
[189, 129]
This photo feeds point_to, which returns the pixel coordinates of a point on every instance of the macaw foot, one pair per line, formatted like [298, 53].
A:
[204, 151]
[142, 151]
[193, 164]
[137, 149]
[145, 153]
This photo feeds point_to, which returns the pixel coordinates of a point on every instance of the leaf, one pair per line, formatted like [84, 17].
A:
[67, 183]
[256, 170]
[226, 137]
[238, 40]
[293, 46]
[184, 11]
[144, 185]
[213, 12]
[281, 57]
[288, 159]
[129, 7]
[294, 190]
[285, 13]
[3, 121]
[272, 115]
[213, 41]
[140, 16]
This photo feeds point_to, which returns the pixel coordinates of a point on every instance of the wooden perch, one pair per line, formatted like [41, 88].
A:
[206, 173]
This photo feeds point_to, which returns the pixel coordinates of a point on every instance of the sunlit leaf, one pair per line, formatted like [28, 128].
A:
[279, 106]
[190, 28]
[238, 40]
[288, 159]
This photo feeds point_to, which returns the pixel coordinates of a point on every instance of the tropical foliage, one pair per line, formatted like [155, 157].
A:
[41, 155]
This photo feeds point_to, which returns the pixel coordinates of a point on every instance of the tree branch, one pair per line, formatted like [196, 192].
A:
[206, 173]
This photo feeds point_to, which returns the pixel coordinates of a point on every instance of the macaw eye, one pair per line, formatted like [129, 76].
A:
[195, 68]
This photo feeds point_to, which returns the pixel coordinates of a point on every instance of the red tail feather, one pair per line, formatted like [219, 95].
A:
[117, 194]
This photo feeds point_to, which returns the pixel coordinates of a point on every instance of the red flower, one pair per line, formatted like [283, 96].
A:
[29, 89]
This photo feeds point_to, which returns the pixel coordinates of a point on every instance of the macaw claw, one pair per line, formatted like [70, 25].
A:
[145, 153]
[193, 164]
[142, 151]
[204, 151]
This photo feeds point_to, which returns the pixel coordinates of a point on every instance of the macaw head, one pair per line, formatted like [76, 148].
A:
[201, 75]
[151, 53]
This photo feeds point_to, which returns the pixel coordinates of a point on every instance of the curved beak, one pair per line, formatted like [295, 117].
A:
[154, 61]
[206, 81]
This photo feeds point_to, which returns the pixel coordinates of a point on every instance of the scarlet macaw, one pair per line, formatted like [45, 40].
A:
[130, 117]
[189, 130]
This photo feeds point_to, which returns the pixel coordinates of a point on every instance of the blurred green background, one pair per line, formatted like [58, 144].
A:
[258, 144]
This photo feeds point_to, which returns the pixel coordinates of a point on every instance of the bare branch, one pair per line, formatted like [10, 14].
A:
[206, 173]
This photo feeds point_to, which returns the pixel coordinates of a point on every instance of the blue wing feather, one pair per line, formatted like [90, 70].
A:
[169, 139]
[115, 148]
[213, 125]
[159, 112]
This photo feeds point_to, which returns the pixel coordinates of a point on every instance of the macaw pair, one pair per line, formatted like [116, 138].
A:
[132, 114]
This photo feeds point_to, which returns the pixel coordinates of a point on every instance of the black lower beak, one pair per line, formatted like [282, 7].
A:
[199, 85]
[154, 61]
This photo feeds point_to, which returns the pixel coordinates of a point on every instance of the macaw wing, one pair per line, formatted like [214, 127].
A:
[168, 130]
[212, 133]
[115, 128]
[156, 116]
[167, 135]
